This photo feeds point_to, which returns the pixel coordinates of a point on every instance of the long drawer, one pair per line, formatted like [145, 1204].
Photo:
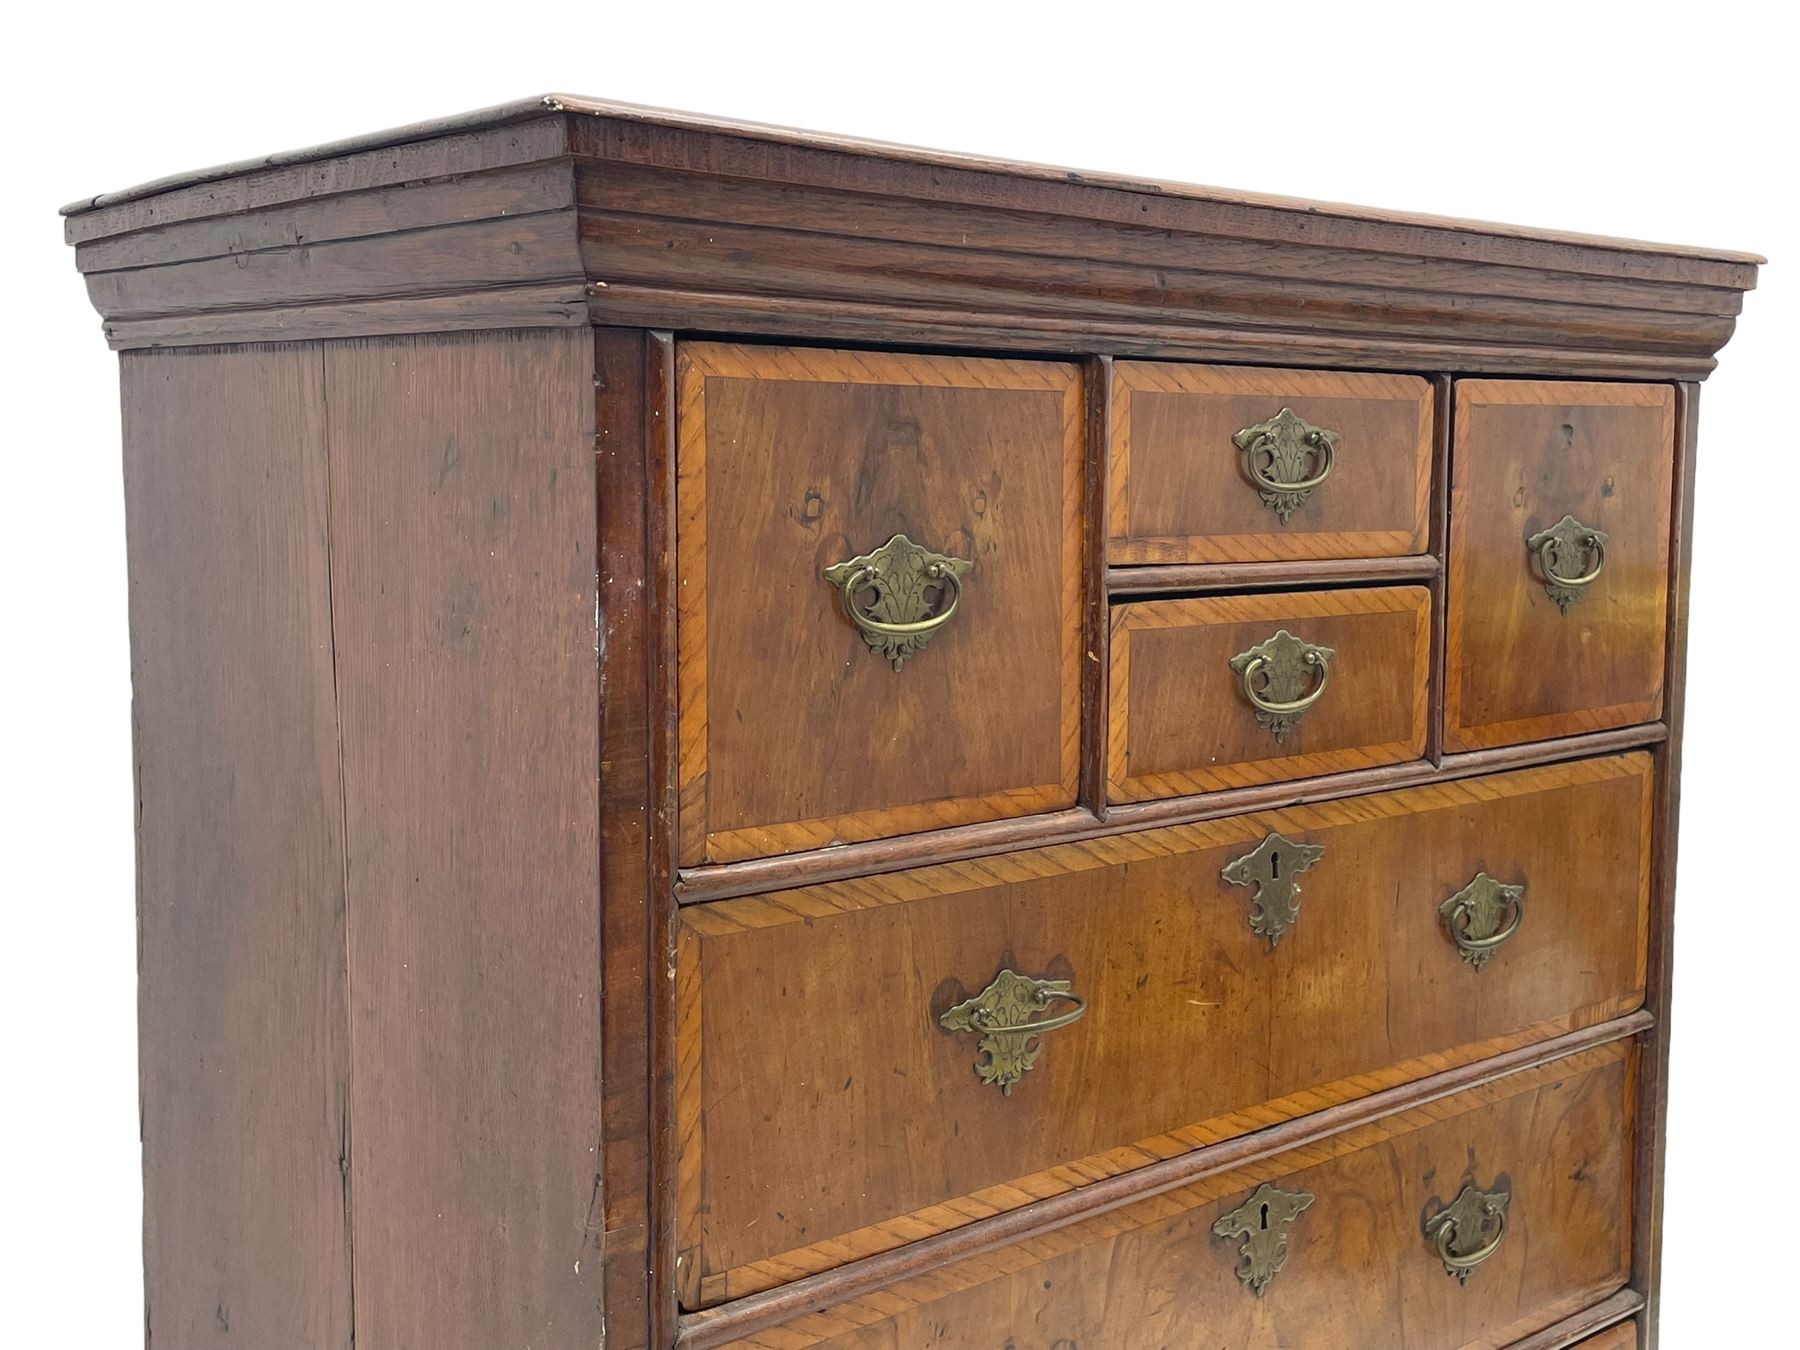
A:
[1469, 1222]
[847, 1083]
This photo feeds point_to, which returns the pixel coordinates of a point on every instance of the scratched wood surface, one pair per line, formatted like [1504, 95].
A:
[1527, 453]
[808, 1019]
[1359, 1274]
[242, 1024]
[1179, 492]
[1178, 720]
[792, 460]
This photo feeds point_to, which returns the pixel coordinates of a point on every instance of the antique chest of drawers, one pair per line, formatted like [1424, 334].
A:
[748, 739]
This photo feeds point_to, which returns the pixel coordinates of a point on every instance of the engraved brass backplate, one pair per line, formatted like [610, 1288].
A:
[1262, 1222]
[911, 593]
[1469, 1230]
[1286, 457]
[1483, 916]
[1569, 556]
[1273, 867]
[1282, 678]
[1002, 1015]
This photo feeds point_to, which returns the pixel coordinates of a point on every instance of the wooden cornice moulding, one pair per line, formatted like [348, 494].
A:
[562, 211]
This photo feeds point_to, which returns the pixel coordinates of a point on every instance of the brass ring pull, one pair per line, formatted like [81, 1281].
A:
[1285, 663]
[1285, 458]
[1002, 1016]
[935, 573]
[899, 621]
[1326, 453]
[1474, 915]
[1568, 541]
[1473, 1216]
[1293, 707]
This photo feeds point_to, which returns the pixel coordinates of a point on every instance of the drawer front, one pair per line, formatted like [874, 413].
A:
[879, 594]
[1212, 464]
[1557, 482]
[1373, 1231]
[1208, 998]
[1229, 691]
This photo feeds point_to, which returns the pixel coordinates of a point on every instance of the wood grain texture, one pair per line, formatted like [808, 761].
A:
[1622, 1337]
[791, 460]
[1178, 722]
[242, 1016]
[1527, 453]
[1196, 1030]
[702, 225]
[1653, 1108]
[464, 571]
[1359, 1271]
[1178, 492]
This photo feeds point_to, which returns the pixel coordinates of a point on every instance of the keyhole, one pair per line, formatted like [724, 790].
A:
[1275, 866]
[1265, 1218]
[1568, 435]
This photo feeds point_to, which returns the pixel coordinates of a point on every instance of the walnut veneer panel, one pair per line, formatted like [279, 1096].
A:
[1528, 453]
[1179, 721]
[1178, 491]
[808, 1018]
[1622, 1337]
[794, 733]
[1359, 1274]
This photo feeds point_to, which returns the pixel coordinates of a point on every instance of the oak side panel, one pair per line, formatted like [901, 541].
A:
[464, 566]
[244, 1057]
[1180, 492]
[1359, 1271]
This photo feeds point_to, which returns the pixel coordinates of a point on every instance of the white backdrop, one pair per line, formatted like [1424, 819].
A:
[1671, 123]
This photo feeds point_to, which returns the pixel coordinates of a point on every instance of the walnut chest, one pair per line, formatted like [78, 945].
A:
[748, 739]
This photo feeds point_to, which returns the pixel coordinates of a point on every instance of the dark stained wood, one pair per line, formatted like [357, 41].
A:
[698, 224]
[1527, 453]
[1194, 578]
[1179, 722]
[244, 1076]
[699, 885]
[1096, 378]
[792, 460]
[1179, 492]
[1359, 1271]
[1653, 1108]
[464, 572]
[1442, 403]
[628, 653]
[818, 1035]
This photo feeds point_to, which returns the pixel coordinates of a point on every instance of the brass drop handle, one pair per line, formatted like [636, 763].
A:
[1477, 917]
[1285, 665]
[1567, 546]
[902, 577]
[1287, 457]
[1468, 1231]
[1002, 1015]
[1292, 707]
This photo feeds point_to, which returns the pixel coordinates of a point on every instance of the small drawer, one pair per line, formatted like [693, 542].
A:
[1185, 985]
[1474, 1221]
[1229, 691]
[1559, 559]
[878, 594]
[1219, 464]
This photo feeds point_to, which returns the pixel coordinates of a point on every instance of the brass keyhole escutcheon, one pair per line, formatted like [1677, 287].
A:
[1273, 867]
[1262, 1223]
